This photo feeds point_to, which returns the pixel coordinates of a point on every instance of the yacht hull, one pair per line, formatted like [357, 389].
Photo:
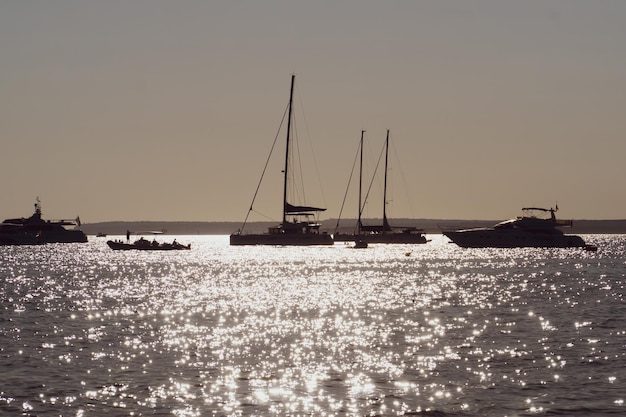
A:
[489, 238]
[18, 239]
[63, 236]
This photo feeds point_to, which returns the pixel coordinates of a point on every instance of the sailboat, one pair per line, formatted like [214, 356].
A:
[383, 233]
[298, 226]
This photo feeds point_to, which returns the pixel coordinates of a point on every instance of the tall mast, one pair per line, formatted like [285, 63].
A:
[360, 182]
[293, 78]
[385, 224]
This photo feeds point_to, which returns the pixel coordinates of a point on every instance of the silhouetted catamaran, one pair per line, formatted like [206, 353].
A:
[297, 228]
[383, 233]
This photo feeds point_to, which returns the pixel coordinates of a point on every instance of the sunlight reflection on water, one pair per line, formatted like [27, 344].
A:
[390, 330]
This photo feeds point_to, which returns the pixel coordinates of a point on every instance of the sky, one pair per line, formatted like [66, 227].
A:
[166, 110]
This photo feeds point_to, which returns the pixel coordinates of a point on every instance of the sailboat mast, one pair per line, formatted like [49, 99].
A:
[293, 78]
[360, 183]
[385, 224]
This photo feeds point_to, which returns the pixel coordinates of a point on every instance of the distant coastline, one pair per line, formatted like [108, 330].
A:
[430, 226]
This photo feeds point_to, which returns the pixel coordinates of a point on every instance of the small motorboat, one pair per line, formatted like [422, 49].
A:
[144, 244]
[360, 244]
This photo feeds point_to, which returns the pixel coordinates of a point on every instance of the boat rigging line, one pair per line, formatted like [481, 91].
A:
[301, 112]
[256, 192]
[404, 181]
[345, 196]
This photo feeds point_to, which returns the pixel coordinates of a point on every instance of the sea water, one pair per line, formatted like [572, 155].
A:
[421, 330]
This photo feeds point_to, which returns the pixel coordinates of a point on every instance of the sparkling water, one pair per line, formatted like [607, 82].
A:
[422, 330]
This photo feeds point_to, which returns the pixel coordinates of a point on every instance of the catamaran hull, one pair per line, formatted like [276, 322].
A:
[381, 238]
[487, 238]
[281, 239]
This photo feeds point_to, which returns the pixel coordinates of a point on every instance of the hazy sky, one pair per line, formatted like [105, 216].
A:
[166, 110]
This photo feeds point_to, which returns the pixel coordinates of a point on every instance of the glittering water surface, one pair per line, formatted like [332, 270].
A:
[431, 330]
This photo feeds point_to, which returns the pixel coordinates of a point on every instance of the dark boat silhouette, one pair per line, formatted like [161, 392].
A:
[146, 245]
[298, 228]
[14, 234]
[383, 233]
[35, 229]
[532, 229]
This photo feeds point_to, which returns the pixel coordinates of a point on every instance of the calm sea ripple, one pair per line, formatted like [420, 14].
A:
[415, 330]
